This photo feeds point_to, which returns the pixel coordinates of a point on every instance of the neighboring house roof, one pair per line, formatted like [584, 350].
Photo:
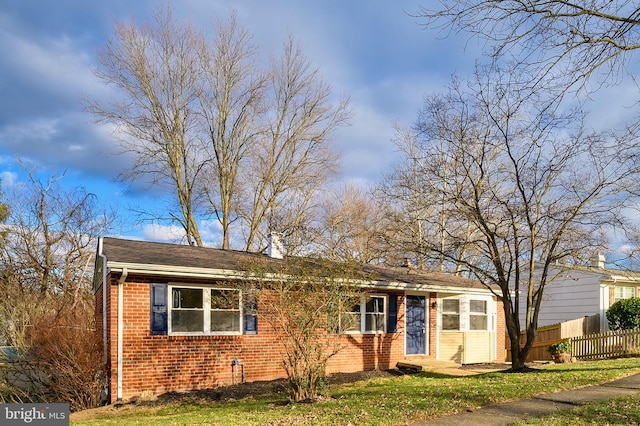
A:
[153, 258]
[604, 274]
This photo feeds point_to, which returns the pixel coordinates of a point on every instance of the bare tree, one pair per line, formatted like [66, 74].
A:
[46, 276]
[293, 153]
[415, 200]
[230, 137]
[353, 226]
[49, 237]
[232, 100]
[558, 38]
[530, 190]
[295, 217]
[157, 68]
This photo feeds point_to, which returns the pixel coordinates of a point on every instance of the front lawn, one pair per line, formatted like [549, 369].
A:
[381, 401]
[618, 411]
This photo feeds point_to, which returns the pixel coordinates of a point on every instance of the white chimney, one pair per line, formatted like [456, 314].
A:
[275, 249]
[598, 261]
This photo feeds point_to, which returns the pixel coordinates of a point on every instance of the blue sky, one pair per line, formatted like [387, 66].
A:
[371, 50]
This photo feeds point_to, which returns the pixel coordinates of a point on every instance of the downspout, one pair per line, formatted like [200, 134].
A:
[605, 303]
[104, 301]
[105, 345]
[121, 281]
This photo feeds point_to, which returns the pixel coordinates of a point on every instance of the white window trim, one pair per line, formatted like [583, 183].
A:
[634, 290]
[206, 307]
[465, 313]
[363, 319]
[459, 313]
[483, 314]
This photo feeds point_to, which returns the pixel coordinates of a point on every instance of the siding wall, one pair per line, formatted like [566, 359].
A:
[451, 346]
[574, 294]
[478, 347]
[469, 347]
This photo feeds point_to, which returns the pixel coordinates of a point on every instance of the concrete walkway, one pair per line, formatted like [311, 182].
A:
[538, 406]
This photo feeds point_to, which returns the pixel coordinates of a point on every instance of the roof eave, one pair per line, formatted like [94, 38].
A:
[212, 273]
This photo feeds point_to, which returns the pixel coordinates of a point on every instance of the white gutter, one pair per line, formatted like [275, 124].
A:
[168, 270]
[123, 277]
[191, 272]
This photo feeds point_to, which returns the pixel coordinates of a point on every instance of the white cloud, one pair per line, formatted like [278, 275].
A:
[163, 233]
[8, 179]
[211, 233]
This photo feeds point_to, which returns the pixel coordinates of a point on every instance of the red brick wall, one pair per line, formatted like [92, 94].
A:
[501, 335]
[362, 352]
[158, 364]
[433, 325]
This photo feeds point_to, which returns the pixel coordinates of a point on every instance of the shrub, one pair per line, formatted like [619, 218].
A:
[560, 347]
[624, 314]
[60, 360]
[68, 353]
[302, 304]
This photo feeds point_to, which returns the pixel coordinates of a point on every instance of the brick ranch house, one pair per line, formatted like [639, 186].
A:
[151, 299]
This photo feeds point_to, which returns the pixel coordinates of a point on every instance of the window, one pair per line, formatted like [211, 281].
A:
[374, 314]
[450, 314]
[466, 313]
[187, 311]
[478, 315]
[225, 310]
[351, 320]
[620, 293]
[205, 310]
[367, 317]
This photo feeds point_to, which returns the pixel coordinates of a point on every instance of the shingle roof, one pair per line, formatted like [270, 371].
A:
[151, 253]
[183, 256]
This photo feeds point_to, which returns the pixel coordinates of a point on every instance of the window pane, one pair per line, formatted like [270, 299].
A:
[450, 322]
[451, 305]
[478, 306]
[478, 322]
[624, 293]
[375, 305]
[350, 321]
[225, 299]
[225, 320]
[187, 298]
[187, 320]
[374, 322]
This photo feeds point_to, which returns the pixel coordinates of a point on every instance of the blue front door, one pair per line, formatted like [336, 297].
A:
[416, 326]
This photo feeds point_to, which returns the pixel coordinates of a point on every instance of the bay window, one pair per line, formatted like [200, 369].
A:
[478, 315]
[451, 314]
[466, 313]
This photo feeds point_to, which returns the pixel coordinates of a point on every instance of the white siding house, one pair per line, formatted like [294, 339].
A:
[576, 292]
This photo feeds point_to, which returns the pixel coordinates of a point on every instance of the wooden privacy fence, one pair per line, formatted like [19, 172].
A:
[544, 337]
[606, 345]
[555, 333]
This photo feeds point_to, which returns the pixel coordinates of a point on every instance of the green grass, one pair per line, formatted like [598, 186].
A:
[388, 401]
[619, 411]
